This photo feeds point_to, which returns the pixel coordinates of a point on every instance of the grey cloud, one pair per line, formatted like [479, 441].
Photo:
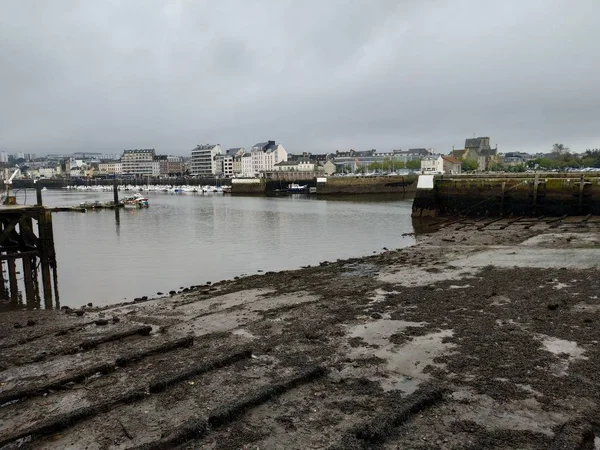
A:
[315, 75]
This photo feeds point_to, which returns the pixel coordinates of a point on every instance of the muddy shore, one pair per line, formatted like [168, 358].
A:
[484, 335]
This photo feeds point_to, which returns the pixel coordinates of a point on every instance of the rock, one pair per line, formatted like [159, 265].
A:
[180, 287]
[115, 319]
[376, 315]
[259, 270]
[236, 278]
[172, 292]
[553, 306]
[208, 282]
[101, 322]
[80, 312]
[159, 293]
[18, 325]
[385, 248]
[90, 304]
[31, 323]
[138, 299]
[144, 298]
[186, 290]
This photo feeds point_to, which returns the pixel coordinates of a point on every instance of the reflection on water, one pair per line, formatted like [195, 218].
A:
[107, 256]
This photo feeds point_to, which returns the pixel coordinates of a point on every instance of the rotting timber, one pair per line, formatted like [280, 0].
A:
[484, 335]
[19, 242]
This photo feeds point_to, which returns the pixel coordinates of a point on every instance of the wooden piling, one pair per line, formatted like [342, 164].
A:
[535, 193]
[2, 282]
[12, 276]
[27, 278]
[115, 191]
[38, 193]
[47, 254]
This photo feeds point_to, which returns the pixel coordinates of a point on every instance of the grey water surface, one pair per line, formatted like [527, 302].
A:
[189, 239]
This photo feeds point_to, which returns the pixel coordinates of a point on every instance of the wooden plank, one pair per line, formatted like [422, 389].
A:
[8, 229]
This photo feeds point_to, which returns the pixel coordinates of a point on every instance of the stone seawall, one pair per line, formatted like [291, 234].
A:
[551, 195]
[367, 185]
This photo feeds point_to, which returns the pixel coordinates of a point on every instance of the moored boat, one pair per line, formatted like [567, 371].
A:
[136, 201]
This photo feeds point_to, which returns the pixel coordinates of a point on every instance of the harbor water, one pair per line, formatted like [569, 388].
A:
[107, 256]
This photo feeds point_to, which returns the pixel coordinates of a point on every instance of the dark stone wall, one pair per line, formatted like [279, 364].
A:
[510, 196]
[368, 185]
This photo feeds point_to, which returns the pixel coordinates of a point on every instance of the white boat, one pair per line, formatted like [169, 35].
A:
[136, 201]
[294, 187]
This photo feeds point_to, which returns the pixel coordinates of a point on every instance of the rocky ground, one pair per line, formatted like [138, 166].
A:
[484, 335]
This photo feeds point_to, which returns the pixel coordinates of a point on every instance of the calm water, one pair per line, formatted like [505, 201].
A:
[184, 240]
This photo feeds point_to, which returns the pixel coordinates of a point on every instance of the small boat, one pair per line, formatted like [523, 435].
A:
[136, 201]
[294, 187]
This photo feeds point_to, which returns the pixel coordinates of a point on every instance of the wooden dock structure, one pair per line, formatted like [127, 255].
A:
[19, 241]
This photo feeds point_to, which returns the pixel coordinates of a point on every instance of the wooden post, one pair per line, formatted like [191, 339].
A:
[2, 282]
[502, 198]
[12, 276]
[46, 243]
[535, 193]
[116, 192]
[27, 278]
[38, 193]
[580, 200]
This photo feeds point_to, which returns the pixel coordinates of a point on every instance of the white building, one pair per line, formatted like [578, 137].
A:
[246, 165]
[47, 172]
[301, 165]
[111, 167]
[4, 157]
[266, 154]
[203, 159]
[439, 164]
[138, 162]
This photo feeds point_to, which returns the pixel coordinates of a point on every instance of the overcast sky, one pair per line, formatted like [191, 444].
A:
[106, 75]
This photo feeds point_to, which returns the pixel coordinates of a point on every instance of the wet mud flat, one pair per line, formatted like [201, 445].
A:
[484, 335]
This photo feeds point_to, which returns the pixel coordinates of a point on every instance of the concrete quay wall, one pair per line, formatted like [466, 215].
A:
[552, 195]
[367, 185]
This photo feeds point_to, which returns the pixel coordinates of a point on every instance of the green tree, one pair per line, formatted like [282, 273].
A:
[413, 165]
[469, 165]
[560, 149]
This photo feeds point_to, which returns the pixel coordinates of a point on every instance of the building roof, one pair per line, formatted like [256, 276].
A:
[457, 153]
[205, 146]
[475, 142]
[451, 159]
[265, 146]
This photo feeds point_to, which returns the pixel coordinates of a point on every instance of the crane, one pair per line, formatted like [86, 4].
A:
[10, 199]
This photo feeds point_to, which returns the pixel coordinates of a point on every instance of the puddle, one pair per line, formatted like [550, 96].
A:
[360, 270]
[559, 347]
[582, 258]
[243, 333]
[380, 295]
[455, 286]
[419, 276]
[573, 240]
[404, 363]
[378, 332]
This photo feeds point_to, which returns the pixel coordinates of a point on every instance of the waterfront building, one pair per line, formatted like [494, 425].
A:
[412, 154]
[111, 167]
[4, 157]
[477, 149]
[170, 165]
[246, 165]
[203, 159]
[440, 164]
[299, 165]
[266, 154]
[138, 162]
